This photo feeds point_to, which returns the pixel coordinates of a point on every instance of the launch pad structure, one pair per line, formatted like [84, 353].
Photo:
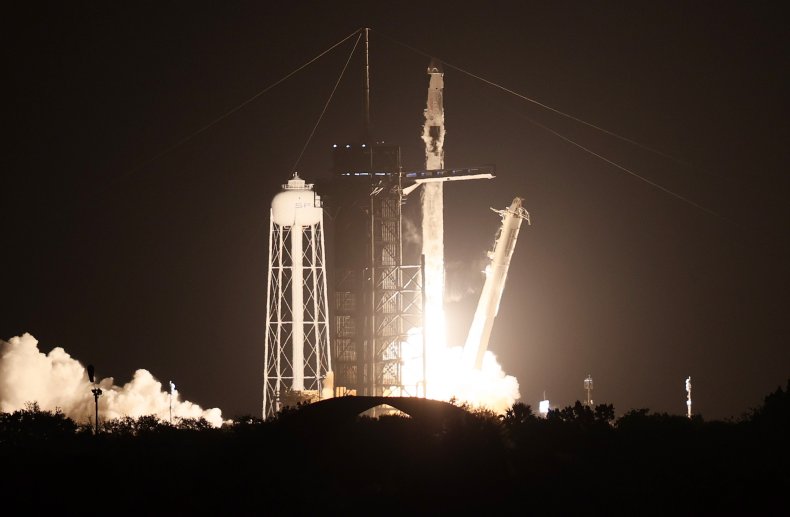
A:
[377, 293]
[380, 295]
[365, 321]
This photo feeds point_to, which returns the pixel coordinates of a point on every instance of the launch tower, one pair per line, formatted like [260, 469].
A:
[378, 294]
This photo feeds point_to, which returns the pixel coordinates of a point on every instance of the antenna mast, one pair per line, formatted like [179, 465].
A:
[366, 98]
[588, 387]
[96, 394]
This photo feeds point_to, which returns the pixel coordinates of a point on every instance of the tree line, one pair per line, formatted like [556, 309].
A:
[576, 459]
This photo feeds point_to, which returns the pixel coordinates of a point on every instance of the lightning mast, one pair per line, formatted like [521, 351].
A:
[96, 394]
[496, 274]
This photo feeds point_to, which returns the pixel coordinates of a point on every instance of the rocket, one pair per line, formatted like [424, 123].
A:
[496, 274]
[432, 204]
[433, 130]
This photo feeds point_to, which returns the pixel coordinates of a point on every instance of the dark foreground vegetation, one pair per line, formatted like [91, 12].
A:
[578, 460]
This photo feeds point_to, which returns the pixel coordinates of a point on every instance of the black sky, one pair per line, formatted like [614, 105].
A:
[130, 258]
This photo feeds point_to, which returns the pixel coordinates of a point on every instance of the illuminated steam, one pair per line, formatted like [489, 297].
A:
[450, 377]
[56, 380]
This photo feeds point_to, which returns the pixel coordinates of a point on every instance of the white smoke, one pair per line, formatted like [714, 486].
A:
[489, 387]
[56, 380]
[463, 279]
[410, 233]
[328, 388]
[449, 377]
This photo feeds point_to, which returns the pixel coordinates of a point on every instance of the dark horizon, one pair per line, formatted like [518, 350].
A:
[434, 458]
[132, 253]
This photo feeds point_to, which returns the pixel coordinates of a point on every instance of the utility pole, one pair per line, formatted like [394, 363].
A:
[172, 390]
[96, 394]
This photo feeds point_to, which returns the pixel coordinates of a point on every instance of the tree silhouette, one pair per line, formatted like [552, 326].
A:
[32, 424]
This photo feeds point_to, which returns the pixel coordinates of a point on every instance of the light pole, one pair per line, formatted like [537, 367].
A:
[96, 394]
[172, 390]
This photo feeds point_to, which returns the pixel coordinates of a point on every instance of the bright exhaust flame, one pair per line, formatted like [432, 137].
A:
[441, 373]
[55, 380]
[447, 376]
[433, 250]
[450, 377]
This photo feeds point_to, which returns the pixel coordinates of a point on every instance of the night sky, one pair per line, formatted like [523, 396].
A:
[132, 250]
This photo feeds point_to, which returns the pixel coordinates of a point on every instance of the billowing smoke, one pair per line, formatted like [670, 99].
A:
[488, 388]
[56, 380]
[462, 279]
[450, 377]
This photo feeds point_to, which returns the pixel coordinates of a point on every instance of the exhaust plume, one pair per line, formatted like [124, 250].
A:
[56, 380]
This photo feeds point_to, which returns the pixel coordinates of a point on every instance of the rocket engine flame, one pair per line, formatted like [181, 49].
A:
[56, 380]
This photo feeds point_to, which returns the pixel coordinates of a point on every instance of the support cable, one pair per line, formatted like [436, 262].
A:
[238, 107]
[538, 103]
[572, 142]
[625, 169]
[321, 116]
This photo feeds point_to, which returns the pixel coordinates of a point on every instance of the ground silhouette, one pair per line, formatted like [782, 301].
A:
[327, 458]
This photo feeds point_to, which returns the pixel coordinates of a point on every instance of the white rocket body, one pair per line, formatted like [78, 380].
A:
[432, 200]
[496, 275]
[433, 130]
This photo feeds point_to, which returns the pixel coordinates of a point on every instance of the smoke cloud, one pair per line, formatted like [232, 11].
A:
[450, 377]
[463, 279]
[56, 380]
[489, 387]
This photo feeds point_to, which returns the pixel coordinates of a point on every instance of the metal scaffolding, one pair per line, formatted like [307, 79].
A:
[377, 297]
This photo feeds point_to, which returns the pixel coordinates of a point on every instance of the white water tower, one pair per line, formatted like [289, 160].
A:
[297, 364]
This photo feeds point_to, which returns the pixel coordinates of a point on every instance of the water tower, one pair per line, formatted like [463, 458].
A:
[297, 363]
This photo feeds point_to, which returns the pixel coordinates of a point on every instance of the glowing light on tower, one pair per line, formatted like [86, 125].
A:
[297, 364]
[688, 397]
